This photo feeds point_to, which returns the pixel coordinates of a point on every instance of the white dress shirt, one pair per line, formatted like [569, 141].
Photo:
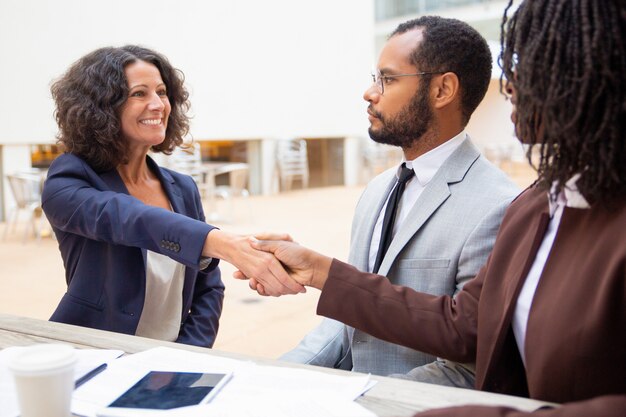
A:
[163, 305]
[568, 197]
[425, 167]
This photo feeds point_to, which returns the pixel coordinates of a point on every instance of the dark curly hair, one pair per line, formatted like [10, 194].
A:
[454, 46]
[567, 62]
[89, 97]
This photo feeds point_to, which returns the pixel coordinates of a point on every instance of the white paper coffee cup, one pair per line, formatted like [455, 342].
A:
[44, 379]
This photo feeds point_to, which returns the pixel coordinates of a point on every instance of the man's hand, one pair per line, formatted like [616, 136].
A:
[262, 266]
[252, 282]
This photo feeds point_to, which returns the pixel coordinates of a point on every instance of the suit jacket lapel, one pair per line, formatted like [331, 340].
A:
[174, 194]
[368, 215]
[436, 193]
[521, 260]
[113, 180]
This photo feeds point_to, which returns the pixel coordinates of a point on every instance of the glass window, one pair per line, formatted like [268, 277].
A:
[388, 9]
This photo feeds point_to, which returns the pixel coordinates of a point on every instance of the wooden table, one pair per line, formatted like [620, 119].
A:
[390, 397]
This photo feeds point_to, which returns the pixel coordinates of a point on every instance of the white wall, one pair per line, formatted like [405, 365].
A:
[491, 128]
[254, 68]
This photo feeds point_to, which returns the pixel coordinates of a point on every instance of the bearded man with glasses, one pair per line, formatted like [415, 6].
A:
[430, 222]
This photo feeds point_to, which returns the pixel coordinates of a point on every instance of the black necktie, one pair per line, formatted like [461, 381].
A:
[390, 214]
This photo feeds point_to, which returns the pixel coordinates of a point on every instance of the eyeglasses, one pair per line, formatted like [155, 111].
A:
[380, 80]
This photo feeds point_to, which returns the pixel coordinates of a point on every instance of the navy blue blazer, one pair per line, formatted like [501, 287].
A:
[103, 234]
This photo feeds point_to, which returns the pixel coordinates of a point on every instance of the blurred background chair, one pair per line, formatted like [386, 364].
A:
[26, 190]
[238, 175]
[378, 158]
[188, 160]
[292, 163]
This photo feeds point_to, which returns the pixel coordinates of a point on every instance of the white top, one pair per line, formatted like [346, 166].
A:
[425, 167]
[163, 305]
[568, 197]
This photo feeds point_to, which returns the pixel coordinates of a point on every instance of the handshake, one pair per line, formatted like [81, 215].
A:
[273, 264]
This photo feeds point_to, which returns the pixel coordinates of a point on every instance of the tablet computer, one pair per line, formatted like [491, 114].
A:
[159, 390]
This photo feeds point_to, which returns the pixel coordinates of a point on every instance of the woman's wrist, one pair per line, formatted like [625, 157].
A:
[218, 244]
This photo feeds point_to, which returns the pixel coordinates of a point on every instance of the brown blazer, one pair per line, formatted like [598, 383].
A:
[576, 335]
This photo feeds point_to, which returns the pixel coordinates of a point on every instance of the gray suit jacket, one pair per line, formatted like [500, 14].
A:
[443, 242]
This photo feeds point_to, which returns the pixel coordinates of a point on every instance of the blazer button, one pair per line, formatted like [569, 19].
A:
[162, 243]
[176, 247]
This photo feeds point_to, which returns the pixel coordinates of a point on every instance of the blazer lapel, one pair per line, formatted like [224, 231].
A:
[436, 193]
[174, 194]
[368, 215]
[521, 260]
[113, 180]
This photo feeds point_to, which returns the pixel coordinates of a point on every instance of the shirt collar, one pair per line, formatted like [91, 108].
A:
[568, 197]
[427, 165]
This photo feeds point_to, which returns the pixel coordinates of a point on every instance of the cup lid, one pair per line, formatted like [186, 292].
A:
[42, 358]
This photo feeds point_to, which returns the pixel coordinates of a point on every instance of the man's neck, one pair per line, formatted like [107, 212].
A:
[427, 142]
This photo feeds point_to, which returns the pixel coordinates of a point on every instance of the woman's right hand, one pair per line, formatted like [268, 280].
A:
[304, 265]
[259, 265]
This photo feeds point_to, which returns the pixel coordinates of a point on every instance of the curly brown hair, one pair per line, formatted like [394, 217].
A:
[89, 98]
[567, 61]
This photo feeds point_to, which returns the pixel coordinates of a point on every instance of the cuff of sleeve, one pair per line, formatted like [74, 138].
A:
[330, 296]
[205, 262]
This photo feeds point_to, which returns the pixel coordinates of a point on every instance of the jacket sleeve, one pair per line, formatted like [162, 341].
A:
[77, 201]
[327, 345]
[447, 326]
[605, 406]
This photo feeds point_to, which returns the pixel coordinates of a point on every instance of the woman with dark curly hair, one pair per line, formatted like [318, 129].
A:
[138, 256]
[545, 317]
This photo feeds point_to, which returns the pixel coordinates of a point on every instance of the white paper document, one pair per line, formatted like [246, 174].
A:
[260, 406]
[88, 359]
[254, 390]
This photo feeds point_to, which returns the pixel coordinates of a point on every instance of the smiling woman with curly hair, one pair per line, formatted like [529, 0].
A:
[138, 256]
[91, 95]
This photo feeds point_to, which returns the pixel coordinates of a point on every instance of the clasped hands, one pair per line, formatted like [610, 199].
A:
[302, 265]
[272, 263]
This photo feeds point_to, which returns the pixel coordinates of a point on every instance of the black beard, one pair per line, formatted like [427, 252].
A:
[408, 126]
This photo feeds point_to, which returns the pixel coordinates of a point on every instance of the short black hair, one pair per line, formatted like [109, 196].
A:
[451, 45]
[89, 98]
